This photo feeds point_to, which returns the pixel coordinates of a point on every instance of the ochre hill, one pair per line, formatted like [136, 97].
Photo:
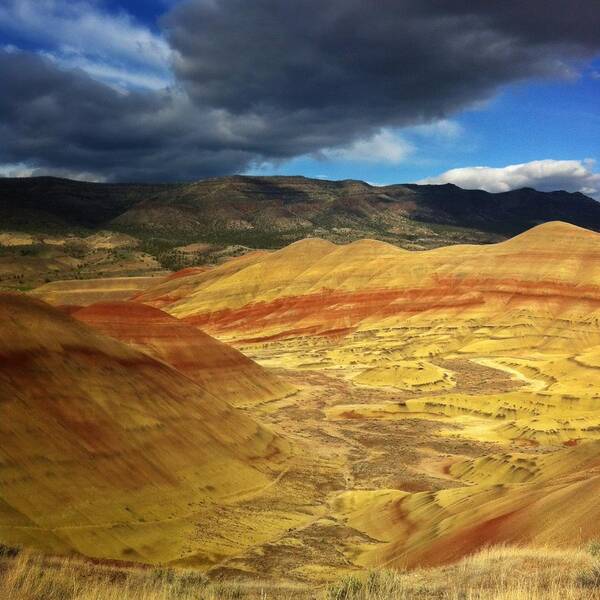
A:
[559, 508]
[449, 398]
[112, 453]
[317, 287]
[218, 368]
[75, 293]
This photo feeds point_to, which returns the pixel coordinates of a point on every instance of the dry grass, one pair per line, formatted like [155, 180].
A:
[500, 573]
[31, 576]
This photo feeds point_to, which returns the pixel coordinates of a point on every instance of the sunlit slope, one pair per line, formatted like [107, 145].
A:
[218, 368]
[183, 283]
[111, 453]
[436, 331]
[81, 292]
[557, 506]
[314, 286]
[385, 317]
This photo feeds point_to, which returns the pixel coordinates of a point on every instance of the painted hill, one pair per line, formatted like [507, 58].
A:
[559, 509]
[75, 293]
[418, 325]
[447, 399]
[114, 454]
[314, 286]
[218, 368]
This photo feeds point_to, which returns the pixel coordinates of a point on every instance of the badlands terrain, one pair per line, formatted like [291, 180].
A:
[310, 413]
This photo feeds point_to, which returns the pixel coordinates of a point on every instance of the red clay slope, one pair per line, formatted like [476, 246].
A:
[219, 368]
[315, 287]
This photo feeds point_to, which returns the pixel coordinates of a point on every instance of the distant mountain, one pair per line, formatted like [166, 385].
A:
[173, 226]
[273, 211]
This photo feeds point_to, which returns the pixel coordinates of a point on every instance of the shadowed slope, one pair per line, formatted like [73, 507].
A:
[112, 453]
[218, 368]
[273, 211]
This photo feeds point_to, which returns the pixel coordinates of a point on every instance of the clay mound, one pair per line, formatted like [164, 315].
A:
[111, 453]
[82, 292]
[217, 367]
[427, 528]
[407, 375]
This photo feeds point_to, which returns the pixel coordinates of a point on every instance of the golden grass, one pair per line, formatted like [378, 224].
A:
[32, 576]
[498, 573]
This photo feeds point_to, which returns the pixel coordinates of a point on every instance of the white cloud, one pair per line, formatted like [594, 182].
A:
[444, 129]
[383, 147]
[110, 47]
[119, 77]
[544, 175]
[23, 170]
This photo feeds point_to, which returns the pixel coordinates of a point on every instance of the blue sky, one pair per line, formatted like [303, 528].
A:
[525, 122]
[547, 124]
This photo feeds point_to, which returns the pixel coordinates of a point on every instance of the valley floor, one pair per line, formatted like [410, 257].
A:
[361, 454]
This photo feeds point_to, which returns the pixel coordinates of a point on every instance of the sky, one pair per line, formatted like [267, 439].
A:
[494, 95]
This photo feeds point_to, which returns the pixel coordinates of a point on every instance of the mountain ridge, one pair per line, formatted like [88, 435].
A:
[54, 228]
[292, 206]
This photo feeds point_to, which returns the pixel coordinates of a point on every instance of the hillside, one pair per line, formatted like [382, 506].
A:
[270, 211]
[111, 453]
[489, 352]
[445, 400]
[219, 369]
[317, 286]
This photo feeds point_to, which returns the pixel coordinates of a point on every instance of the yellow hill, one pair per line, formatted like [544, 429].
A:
[82, 292]
[455, 393]
[557, 507]
[318, 287]
[112, 453]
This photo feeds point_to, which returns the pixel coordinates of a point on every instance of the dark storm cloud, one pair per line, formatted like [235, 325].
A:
[271, 79]
[398, 61]
[68, 122]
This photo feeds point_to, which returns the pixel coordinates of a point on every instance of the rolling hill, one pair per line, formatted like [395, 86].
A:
[408, 332]
[445, 400]
[56, 229]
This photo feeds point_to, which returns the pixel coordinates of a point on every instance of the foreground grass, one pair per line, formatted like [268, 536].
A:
[502, 573]
[499, 573]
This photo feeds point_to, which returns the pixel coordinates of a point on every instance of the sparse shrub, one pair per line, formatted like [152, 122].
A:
[75, 248]
[348, 588]
[9, 551]
[594, 548]
[589, 578]
[163, 574]
[192, 579]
